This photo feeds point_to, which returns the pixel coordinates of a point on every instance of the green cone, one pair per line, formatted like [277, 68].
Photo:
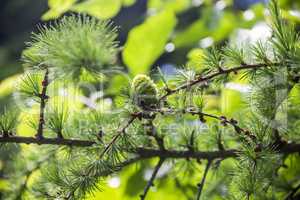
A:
[144, 92]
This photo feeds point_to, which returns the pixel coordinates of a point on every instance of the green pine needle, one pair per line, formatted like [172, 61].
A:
[57, 117]
[30, 85]
[8, 121]
[72, 44]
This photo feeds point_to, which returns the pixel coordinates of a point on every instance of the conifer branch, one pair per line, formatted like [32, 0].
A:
[50, 141]
[209, 77]
[146, 152]
[224, 121]
[153, 176]
[187, 154]
[201, 184]
[83, 56]
[119, 133]
[43, 98]
[206, 155]
[143, 152]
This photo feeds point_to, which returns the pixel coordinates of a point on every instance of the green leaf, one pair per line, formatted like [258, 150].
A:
[225, 26]
[57, 8]
[102, 9]
[210, 25]
[190, 36]
[294, 95]
[128, 2]
[175, 5]
[146, 42]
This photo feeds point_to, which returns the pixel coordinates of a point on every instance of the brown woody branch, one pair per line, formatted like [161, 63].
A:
[43, 98]
[208, 77]
[201, 184]
[51, 141]
[145, 152]
[224, 121]
[119, 133]
[153, 176]
[207, 155]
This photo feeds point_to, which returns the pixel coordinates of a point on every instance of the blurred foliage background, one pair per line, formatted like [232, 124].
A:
[165, 33]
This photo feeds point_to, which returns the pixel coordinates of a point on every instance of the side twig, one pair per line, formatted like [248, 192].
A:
[43, 99]
[224, 121]
[150, 182]
[119, 133]
[215, 74]
[201, 184]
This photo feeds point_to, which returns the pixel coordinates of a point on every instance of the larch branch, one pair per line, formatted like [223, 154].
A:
[153, 176]
[208, 77]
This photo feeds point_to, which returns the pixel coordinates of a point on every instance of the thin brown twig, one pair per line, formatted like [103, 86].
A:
[43, 99]
[201, 184]
[201, 79]
[224, 121]
[119, 133]
[153, 176]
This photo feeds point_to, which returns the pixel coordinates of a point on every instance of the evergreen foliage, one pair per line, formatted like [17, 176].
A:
[244, 154]
[73, 44]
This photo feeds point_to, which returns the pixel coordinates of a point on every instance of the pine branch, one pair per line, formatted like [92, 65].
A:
[187, 154]
[224, 121]
[53, 42]
[201, 79]
[207, 155]
[43, 97]
[119, 133]
[51, 141]
[150, 182]
[288, 148]
[201, 184]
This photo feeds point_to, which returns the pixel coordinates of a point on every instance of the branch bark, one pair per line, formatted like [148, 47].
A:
[153, 176]
[215, 74]
[145, 152]
[119, 133]
[51, 141]
[208, 155]
[43, 98]
[201, 184]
